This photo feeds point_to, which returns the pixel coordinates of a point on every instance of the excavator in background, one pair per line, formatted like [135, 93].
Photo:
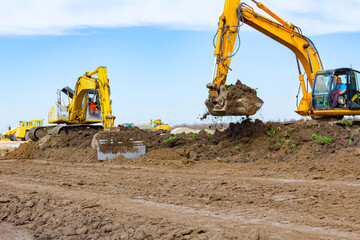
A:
[89, 103]
[316, 103]
[21, 133]
[158, 125]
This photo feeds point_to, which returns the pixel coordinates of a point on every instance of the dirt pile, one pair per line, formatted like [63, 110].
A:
[72, 147]
[246, 141]
[24, 151]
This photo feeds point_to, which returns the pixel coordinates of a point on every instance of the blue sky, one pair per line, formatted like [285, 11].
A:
[159, 57]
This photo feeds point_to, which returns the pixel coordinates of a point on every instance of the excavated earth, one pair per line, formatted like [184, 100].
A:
[254, 180]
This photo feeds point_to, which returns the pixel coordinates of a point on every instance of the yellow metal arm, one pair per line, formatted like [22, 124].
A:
[226, 37]
[287, 34]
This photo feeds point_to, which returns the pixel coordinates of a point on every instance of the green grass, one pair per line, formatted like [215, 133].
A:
[345, 123]
[349, 123]
[317, 138]
[293, 146]
[193, 135]
[237, 147]
[271, 132]
[170, 139]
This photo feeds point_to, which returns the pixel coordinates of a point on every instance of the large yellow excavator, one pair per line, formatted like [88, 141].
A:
[316, 103]
[89, 103]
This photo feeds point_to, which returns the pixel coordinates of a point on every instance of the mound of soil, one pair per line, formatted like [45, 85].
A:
[245, 141]
[24, 151]
[71, 147]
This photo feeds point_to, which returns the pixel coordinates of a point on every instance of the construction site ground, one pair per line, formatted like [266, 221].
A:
[265, 181]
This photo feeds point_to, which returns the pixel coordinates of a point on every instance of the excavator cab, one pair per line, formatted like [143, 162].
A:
[93, 106]
[325, 82]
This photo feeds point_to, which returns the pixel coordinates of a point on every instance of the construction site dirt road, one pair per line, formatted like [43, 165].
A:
[307, 192]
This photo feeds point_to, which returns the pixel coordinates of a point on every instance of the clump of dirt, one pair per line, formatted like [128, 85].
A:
[50, 218]
[234, 100]
[240, 90]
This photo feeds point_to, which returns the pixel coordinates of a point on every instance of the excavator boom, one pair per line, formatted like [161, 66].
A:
[235, 14]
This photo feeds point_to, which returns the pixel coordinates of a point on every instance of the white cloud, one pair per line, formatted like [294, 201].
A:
[51, 17]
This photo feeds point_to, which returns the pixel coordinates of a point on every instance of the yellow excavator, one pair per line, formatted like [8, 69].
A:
[89, 103]
[157, 124]
[318, 103]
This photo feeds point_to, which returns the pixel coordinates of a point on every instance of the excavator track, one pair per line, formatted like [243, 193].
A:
[39, 132]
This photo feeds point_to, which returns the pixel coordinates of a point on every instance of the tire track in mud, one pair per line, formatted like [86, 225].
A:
[216, 220]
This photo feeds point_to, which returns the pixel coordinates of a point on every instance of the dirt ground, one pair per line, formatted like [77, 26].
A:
[254, 180]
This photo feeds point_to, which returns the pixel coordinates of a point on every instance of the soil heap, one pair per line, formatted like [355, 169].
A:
[246, 141]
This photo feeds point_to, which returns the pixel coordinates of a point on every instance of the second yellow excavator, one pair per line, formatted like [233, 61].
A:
[322, 101]
[89, 103]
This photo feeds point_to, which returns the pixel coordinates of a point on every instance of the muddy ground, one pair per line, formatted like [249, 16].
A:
[255, 180]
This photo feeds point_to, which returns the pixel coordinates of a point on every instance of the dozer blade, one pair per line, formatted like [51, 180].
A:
[233, 105]
[112, 144]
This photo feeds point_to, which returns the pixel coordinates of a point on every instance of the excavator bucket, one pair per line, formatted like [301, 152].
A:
[113, 142]
[235, 100]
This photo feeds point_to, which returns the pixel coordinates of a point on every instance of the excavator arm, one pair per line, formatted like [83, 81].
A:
[235, 13]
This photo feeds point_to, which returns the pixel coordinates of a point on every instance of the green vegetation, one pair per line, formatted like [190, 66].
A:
[345, 123]
[209, 134]
[350, 141]
[357, 130]
[237, 147]
[170, 139]
[271, 132]
[349, 123]
[193, 135]
[317, 138]
[293, 146]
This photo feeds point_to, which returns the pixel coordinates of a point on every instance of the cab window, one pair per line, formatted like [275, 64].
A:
[355, 87]
[321, 91]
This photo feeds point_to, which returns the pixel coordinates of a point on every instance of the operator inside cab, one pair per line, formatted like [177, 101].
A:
[338, 94]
